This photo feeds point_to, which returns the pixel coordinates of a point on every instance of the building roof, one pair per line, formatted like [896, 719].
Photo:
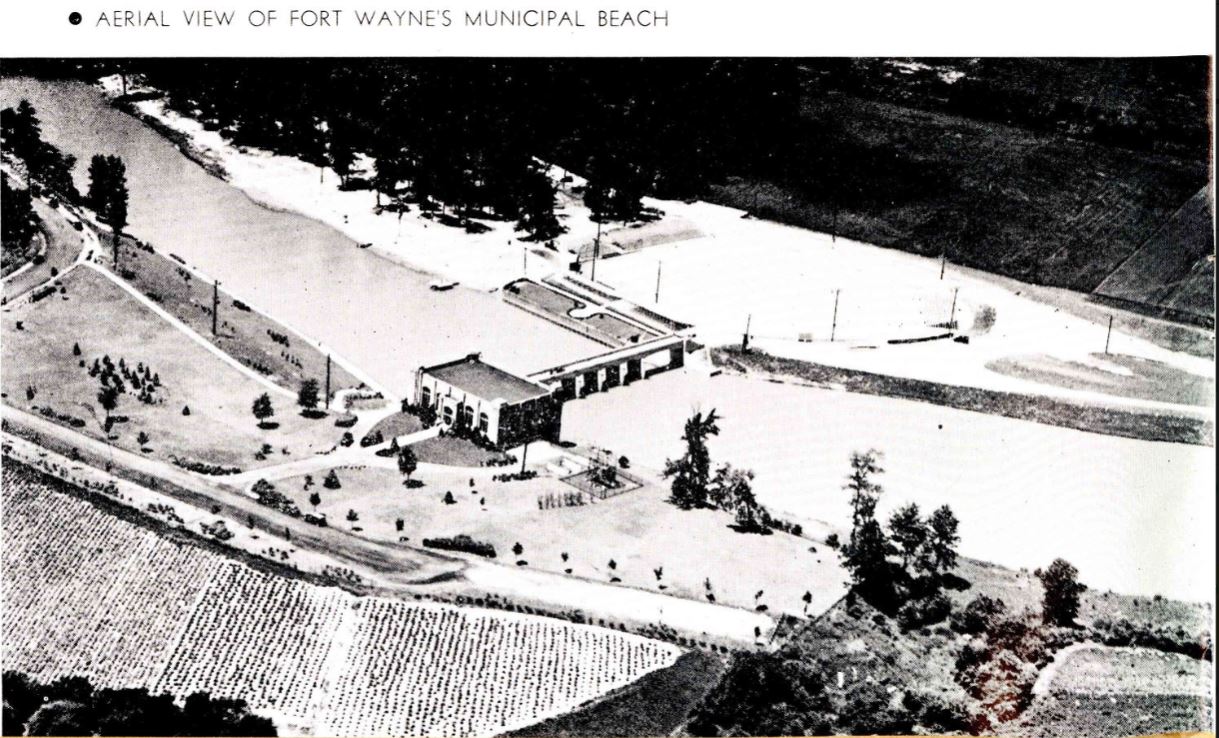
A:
[480, 379]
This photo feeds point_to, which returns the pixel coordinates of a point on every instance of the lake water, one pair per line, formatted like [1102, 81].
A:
[377, 313]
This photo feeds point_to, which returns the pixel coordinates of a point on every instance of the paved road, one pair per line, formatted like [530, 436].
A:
[64, 247]
[401, 569]
[395, 564]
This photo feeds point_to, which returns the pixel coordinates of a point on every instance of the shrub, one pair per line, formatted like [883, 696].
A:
[372, 439]
[922, 611]
[331, 481]
[979, 615]
[937, 713]
[346, 422]
[832, 541]
[462, 543]
[1124, 632]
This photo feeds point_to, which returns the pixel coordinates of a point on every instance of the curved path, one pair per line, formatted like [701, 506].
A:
[63, 250]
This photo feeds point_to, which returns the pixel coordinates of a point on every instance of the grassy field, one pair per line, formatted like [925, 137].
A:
[398, 424]
[1107, 670]
[640, 531]
[103, 320]
[1040, 207]
[1174, 271]
[1112, 716]
[1127, 424]
[1102, 691]
[657, 704]
[252, 338]
[454, 451]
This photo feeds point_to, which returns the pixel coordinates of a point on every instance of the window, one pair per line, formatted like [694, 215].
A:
[469, 416]
[425, 397]
[483, 422]
[448, 414]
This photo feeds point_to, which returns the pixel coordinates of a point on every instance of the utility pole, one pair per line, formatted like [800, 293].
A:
[943, 263]
[952, 315]
[327, 380]
[745, 338]
[657, 298]
[596, 251]
[1108, 333]
[834, 324]
[834, 227]
[215, 304]
[524, 455]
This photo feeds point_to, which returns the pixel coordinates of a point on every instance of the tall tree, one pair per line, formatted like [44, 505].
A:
[691, 473]
[942, 539]
[1060, 602]
[866, 553]
[262, 409]
[108, 399]
[307, 397]
[407, 462]
[536, 204]
[908, 531]
[107, 194]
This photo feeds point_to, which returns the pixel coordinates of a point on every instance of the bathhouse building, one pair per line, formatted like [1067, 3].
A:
[504, 408]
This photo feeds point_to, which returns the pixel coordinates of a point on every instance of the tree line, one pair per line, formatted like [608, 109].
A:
[463, 138]
[49, 171]
[74, 706]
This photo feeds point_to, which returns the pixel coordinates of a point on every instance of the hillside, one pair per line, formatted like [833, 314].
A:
[1040, 207]
[1173, 272]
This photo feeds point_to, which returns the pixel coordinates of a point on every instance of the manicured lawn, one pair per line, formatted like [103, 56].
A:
[398, 424]
[105, 321]
[639, 530]
[453, 451]
[251, 337]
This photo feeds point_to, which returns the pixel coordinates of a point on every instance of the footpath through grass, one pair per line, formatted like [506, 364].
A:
[254, 339]
[1146, 426]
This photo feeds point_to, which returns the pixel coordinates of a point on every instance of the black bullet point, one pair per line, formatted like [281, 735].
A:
[74, 18]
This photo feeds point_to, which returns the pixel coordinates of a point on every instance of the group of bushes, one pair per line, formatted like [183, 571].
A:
[1124, 632]
[71, 420]
[517, 476]
[201, 467]
[462, 543]
[270, 497]
[142, 378]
